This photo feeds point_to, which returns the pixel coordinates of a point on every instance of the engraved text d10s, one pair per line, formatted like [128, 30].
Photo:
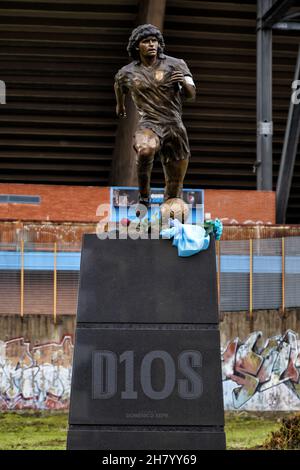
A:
[105, 375]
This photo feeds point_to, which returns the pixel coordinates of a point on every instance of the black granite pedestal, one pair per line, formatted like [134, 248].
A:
[147, 366]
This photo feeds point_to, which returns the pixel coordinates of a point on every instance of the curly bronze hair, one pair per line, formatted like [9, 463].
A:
[141, 32]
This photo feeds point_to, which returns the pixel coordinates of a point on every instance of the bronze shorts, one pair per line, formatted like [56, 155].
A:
[174, 144]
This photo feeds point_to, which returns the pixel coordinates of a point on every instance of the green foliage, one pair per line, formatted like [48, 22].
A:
[287, 437]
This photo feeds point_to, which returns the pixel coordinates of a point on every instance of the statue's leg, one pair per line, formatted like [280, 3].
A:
[146, 144]
[174, 171]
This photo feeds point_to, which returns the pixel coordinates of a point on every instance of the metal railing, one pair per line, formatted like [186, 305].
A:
[42, 278]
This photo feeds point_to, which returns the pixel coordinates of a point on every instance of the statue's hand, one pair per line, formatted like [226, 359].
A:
[121, 111]
[177, 77]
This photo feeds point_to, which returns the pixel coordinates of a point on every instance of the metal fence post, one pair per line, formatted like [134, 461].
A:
[251, 279]
[55, 283]
[218, 252]
[219, 267]
[22, 279]
[283, 275]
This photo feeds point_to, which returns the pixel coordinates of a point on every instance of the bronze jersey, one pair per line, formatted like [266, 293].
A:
[154, 96]
[159, 102]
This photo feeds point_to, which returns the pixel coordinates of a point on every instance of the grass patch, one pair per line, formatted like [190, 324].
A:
[33, 430]
[245, 430]
[48, 430]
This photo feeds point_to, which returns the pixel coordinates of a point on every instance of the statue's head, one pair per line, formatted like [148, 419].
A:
[142, 32]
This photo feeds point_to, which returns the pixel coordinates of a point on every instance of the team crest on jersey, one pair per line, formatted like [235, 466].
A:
[159, 75]
[137, 81]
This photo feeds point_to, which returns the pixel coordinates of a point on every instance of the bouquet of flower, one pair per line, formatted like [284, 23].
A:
[215, 227]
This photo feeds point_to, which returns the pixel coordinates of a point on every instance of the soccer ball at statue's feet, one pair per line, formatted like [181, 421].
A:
[174, 208]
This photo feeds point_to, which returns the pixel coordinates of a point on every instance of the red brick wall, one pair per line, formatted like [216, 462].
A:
[241, 207]
[61, 203]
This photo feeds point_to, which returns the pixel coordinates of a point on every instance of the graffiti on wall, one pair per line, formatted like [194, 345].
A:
[37, 378]
[262, 375]
[258, 374]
